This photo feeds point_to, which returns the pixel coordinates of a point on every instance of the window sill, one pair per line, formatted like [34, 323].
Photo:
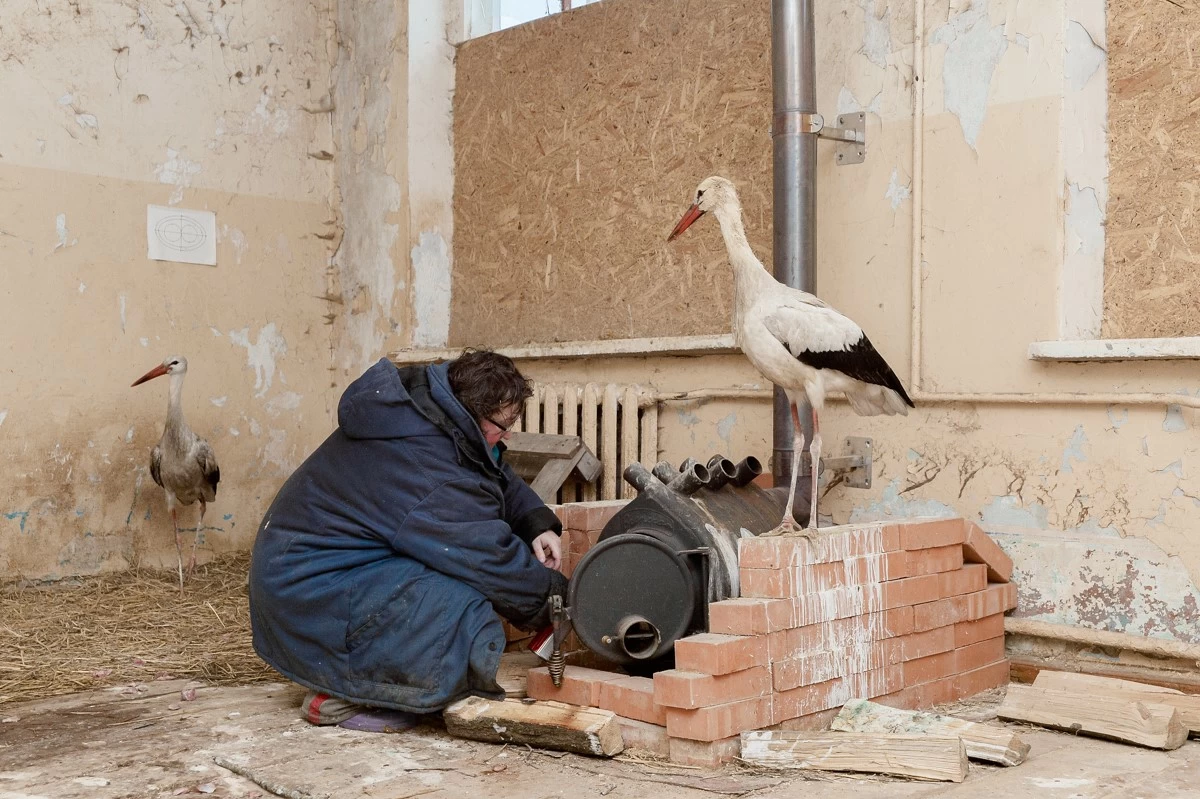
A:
[1116, 349]
[720, 344]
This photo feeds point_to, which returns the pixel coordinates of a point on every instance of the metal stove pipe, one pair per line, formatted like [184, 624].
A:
[747, 470]
[793, 91]
[721, 471]
[691, 479]
[665, 472]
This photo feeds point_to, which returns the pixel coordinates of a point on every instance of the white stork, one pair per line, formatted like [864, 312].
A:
[795, 340]
[182, 462]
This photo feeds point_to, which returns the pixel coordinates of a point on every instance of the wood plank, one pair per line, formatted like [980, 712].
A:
[547, 725]
[589, 466]
[1024, 668]
[1188, 706]
[552, 476]
[925, 757]
[983, 741]
[1081, 682]
[1154, 647]
[555, 446]
[1146, 723]
[513, 673]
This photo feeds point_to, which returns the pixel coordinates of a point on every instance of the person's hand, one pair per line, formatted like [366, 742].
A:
[547, 548]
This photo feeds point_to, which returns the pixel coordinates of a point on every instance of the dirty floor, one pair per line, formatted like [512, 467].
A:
[147, 740]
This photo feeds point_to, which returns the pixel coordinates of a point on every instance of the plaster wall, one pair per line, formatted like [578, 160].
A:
[966, 236]
[111, 106]
[320, 136]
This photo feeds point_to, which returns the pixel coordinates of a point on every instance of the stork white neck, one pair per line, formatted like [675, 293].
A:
[750, 276]
[175, 423]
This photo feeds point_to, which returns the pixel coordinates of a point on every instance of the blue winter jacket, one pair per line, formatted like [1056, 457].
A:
[380, 566]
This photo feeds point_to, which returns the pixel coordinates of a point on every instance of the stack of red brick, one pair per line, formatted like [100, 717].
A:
[909, 614]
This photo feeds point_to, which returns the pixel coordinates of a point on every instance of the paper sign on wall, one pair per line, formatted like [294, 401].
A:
[178, 234]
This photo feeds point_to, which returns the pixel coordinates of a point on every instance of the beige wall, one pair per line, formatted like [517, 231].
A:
[389, 281]
[110, 106]
[291, 123]
[969, 217]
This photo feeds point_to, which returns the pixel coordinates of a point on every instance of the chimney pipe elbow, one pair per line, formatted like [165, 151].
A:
[640, 477]
[665, 472]
[691, 480]
[721, 471]
[747, 470]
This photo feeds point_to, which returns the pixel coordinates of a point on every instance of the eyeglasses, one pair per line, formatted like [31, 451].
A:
[503, 428]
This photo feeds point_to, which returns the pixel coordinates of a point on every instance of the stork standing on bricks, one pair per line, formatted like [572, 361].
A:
[795, 340]
[182, 462]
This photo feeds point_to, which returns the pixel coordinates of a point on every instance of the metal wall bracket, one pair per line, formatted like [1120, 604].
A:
[855, 465]
[851, 135]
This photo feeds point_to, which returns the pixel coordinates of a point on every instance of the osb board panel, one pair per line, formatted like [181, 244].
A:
[1151, 280]
[579, 141]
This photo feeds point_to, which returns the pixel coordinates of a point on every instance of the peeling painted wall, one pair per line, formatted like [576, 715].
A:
[110, 106]
[990, 198]
[369, 275]
[389, 283]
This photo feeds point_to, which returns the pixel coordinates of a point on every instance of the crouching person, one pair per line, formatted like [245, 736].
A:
[381, 564]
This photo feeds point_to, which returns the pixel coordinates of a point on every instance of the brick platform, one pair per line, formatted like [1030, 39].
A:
[908, 614]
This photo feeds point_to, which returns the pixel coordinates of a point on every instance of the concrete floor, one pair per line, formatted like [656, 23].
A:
[145, 740]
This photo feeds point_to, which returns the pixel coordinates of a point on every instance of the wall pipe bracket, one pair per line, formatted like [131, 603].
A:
[855, 465]
[850, 134]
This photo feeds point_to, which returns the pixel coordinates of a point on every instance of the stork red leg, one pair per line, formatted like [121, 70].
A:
[196, 538]
[788, 524]
[178, 546]
[814, 450]
[797, 448]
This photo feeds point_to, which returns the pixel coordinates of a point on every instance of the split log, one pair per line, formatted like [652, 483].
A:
[513, 672]
[1188, 705]
[1024, 667]
[1127, 720]
[924, 757]
[983, 741]
[1155, 647]
[546, 725]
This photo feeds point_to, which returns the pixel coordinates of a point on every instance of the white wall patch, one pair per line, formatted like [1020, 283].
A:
[973, 50]
[847, 103]
[287, 401]
[1084, 56]
[896, 194]
[60, 231]
[237, 238]
[176, 171]
[181, 235]
[261, 355]
[877, 34]
[431, 290]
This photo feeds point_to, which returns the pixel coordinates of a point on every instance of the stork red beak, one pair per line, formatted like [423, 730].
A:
[691, 216]
[157, 371]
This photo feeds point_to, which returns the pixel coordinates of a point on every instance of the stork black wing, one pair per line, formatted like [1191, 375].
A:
[156, 464]
[208, 465]
[861, 361]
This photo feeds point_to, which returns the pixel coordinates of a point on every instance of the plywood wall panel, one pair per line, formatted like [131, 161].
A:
[579, 140]
[1151, 280]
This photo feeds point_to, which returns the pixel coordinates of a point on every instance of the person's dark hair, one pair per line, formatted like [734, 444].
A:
[486, 381]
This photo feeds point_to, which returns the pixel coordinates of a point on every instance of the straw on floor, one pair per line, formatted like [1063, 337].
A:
[131, 627]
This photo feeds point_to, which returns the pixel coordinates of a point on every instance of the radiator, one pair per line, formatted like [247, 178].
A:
[618, 423]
